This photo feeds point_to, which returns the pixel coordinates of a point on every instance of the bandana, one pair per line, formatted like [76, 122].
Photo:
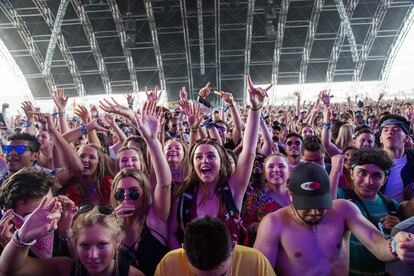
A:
[43, 247]
[396, 122]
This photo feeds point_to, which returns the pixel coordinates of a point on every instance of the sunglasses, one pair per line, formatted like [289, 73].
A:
[120, 195]
[19, 149]
[289, 143]
[103, 209]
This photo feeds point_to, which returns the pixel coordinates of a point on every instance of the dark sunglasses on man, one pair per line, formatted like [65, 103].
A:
[19, 149]
[289, 143]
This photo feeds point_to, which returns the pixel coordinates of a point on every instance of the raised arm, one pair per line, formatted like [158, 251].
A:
[297, 94]
[267, 138]
[84, 129]
[239, 180]
[235, 116]
[336, 171]
[60, 101]
[73, 166]
[148, 125]
[330, 147]
[14, 259]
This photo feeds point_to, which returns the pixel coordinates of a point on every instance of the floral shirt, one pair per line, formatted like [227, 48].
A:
[258, 203]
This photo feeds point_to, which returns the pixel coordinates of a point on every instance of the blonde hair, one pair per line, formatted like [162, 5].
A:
[144, 167]
[143, 182]
[273, 155]
[344, 139]
[95, 217]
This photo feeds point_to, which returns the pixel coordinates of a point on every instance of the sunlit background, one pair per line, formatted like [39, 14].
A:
[400, 84]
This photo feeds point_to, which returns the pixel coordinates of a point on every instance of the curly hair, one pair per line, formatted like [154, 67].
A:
[24, 185]
[372, 156]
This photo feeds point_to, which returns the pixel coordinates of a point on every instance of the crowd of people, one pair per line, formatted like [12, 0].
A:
[311, 189]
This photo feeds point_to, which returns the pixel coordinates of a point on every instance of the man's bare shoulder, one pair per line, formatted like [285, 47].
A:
[278, 214]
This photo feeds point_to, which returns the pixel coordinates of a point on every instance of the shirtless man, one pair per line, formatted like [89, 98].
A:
[311, 236]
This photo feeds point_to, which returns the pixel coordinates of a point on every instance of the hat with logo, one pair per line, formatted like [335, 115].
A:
[309, 184]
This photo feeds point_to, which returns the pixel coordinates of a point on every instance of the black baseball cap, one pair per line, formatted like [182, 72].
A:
[310, 187]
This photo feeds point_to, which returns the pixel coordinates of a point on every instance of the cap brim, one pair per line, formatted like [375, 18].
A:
[312, 202]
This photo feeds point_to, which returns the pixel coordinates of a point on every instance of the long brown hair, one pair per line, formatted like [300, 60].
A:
[225, 166]
[144, 167]
[103, 169]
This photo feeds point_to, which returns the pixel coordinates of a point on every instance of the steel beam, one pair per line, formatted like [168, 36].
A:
[217, 32]
[96, 51]
[248, 48]
[11, 13]
[313, 24]
[187, 47]
[408, 22]
[346, 27]
[116, 14]
[279, 41]
[154, 36]
[58, 39]
[201, 36]
[339, 40]
[369, 39]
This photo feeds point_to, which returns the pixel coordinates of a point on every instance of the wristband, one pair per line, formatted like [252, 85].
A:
[204, 102]
[27, 123]
[392, 246]
[21, 243]
[326, 125]
[194, 129]
[83, 130]
[256, 108]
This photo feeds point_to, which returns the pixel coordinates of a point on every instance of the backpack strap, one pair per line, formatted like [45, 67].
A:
[392, 209]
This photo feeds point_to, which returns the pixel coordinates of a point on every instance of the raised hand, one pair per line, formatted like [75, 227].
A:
[153, 94]
[83, 113]
[183, 104]
[60, 100]
[380, 96]
[194, 114]
[42, 221]
[183, 94]
[227, 97]
[148, 122]
[325, 97]
[296, 93]
[94, 111]
[337, 162]
[98, 124]
[28, 109]
[69, 210]
[205, 91]
[130, 99]
[256, 94]
[114, 107]
[109, 119]
[5, 105]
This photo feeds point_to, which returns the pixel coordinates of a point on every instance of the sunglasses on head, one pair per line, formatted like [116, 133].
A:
[103, 209]
[289, 143]
[20, 149]
[120, 195]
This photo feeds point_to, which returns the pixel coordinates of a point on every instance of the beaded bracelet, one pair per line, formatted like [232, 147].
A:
[19, 242]
[194, 129]
[392, 246]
